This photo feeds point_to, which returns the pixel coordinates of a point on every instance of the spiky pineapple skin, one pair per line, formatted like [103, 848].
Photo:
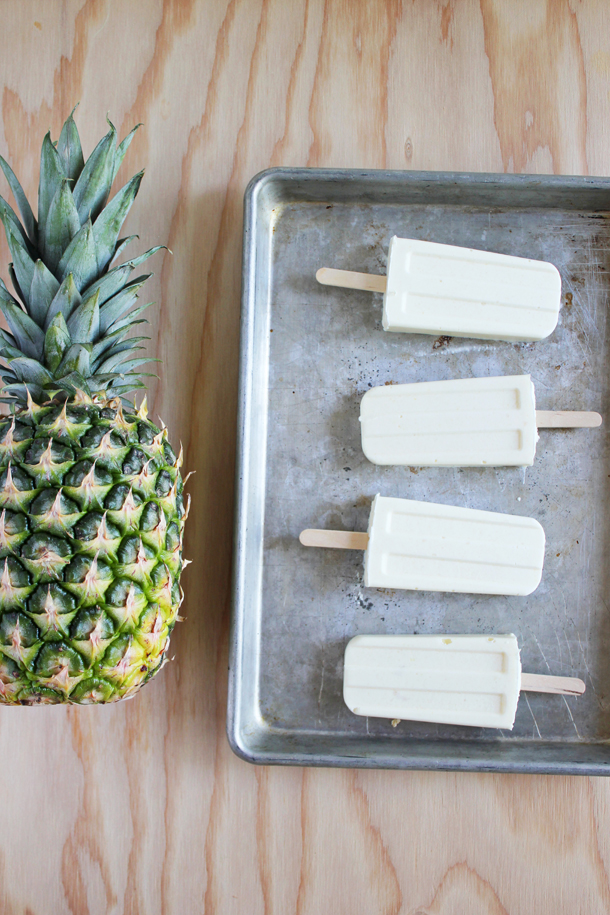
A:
[91, 525]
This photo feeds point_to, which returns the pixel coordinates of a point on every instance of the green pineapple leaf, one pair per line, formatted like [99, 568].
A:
[109, 284]
[69, 148]
[29, 337]
[106, 229]
[122, 149]
[80, 258]
[51, 176]
[76, 359]
[8, 352]
[119, 304]
[43, 289]
[5, 295]
[23, 265]
[20, 393]
[93, 185]
[131, 319]
[61, 226]
[84, 324]
[72, 383]
[66, 300]
[122, 244]
[22, 201]
[9, 218]
[56, 341]
[136, 261]
[15, 282]
[125, 365]
[130, 345]
[30, 371]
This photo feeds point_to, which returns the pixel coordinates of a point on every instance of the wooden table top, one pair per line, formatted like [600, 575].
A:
[142, 807]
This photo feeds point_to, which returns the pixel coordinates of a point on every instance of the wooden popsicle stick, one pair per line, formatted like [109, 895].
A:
[567, 419]
[541, 683]
[338, 540]
[370, 282]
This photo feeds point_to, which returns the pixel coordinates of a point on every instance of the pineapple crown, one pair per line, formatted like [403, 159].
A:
[68, 324]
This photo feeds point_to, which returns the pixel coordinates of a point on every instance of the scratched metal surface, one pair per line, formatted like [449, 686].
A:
[309, 354]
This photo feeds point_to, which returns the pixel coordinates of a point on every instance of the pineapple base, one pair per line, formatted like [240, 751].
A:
[91, 526]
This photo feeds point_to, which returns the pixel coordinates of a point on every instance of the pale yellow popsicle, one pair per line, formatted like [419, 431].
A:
[471, 680]
[432, 288]
[425, 546]
[466, 422]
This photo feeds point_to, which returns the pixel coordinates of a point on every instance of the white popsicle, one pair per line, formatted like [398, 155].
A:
[471, 680]
[425, 546]
[461, 292]
[469, 422]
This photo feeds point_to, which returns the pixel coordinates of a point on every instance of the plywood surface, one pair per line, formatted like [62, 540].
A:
[142, 808]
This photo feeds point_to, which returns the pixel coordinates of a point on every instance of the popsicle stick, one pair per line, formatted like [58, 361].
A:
[541, 683]
[370, 282]
[567, 419]
[338, 540]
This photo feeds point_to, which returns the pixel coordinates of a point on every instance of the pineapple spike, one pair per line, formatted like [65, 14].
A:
[180, 459]
[82, 398]
[32, 407]
[143, 411]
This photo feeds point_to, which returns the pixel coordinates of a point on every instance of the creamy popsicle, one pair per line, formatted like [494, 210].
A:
[425, 546]
[471, 680]
[462, 292]
[468, 422]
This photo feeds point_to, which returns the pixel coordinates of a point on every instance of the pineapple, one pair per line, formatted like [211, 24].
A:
[91, 497]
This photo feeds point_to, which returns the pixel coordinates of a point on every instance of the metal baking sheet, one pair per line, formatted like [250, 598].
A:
[308, 354]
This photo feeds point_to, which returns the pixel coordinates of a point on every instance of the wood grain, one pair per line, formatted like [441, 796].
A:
[142, 808]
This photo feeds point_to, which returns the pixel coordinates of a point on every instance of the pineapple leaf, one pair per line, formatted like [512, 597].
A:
[130, 319]
[22, 201]
[30, 371]
[20, 393]
[51, 175]
[29, 337]
[125, 346]
[9, 352]
[15, 282]
[80, 259]
[136, 261]
[76, 359]
[125, 366]
[105, 342]
[93, 185]
[43, 289]
[23, 265]
[107, 227]
[122, 244]
[109, 284]
[122, 149]
[8, 217]
[84, 324]
[8, 338]
[56, 342]
[61, 226]
[72, 383]
[119, 304]
[66, 300]
[5, 296]
[69, 148]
